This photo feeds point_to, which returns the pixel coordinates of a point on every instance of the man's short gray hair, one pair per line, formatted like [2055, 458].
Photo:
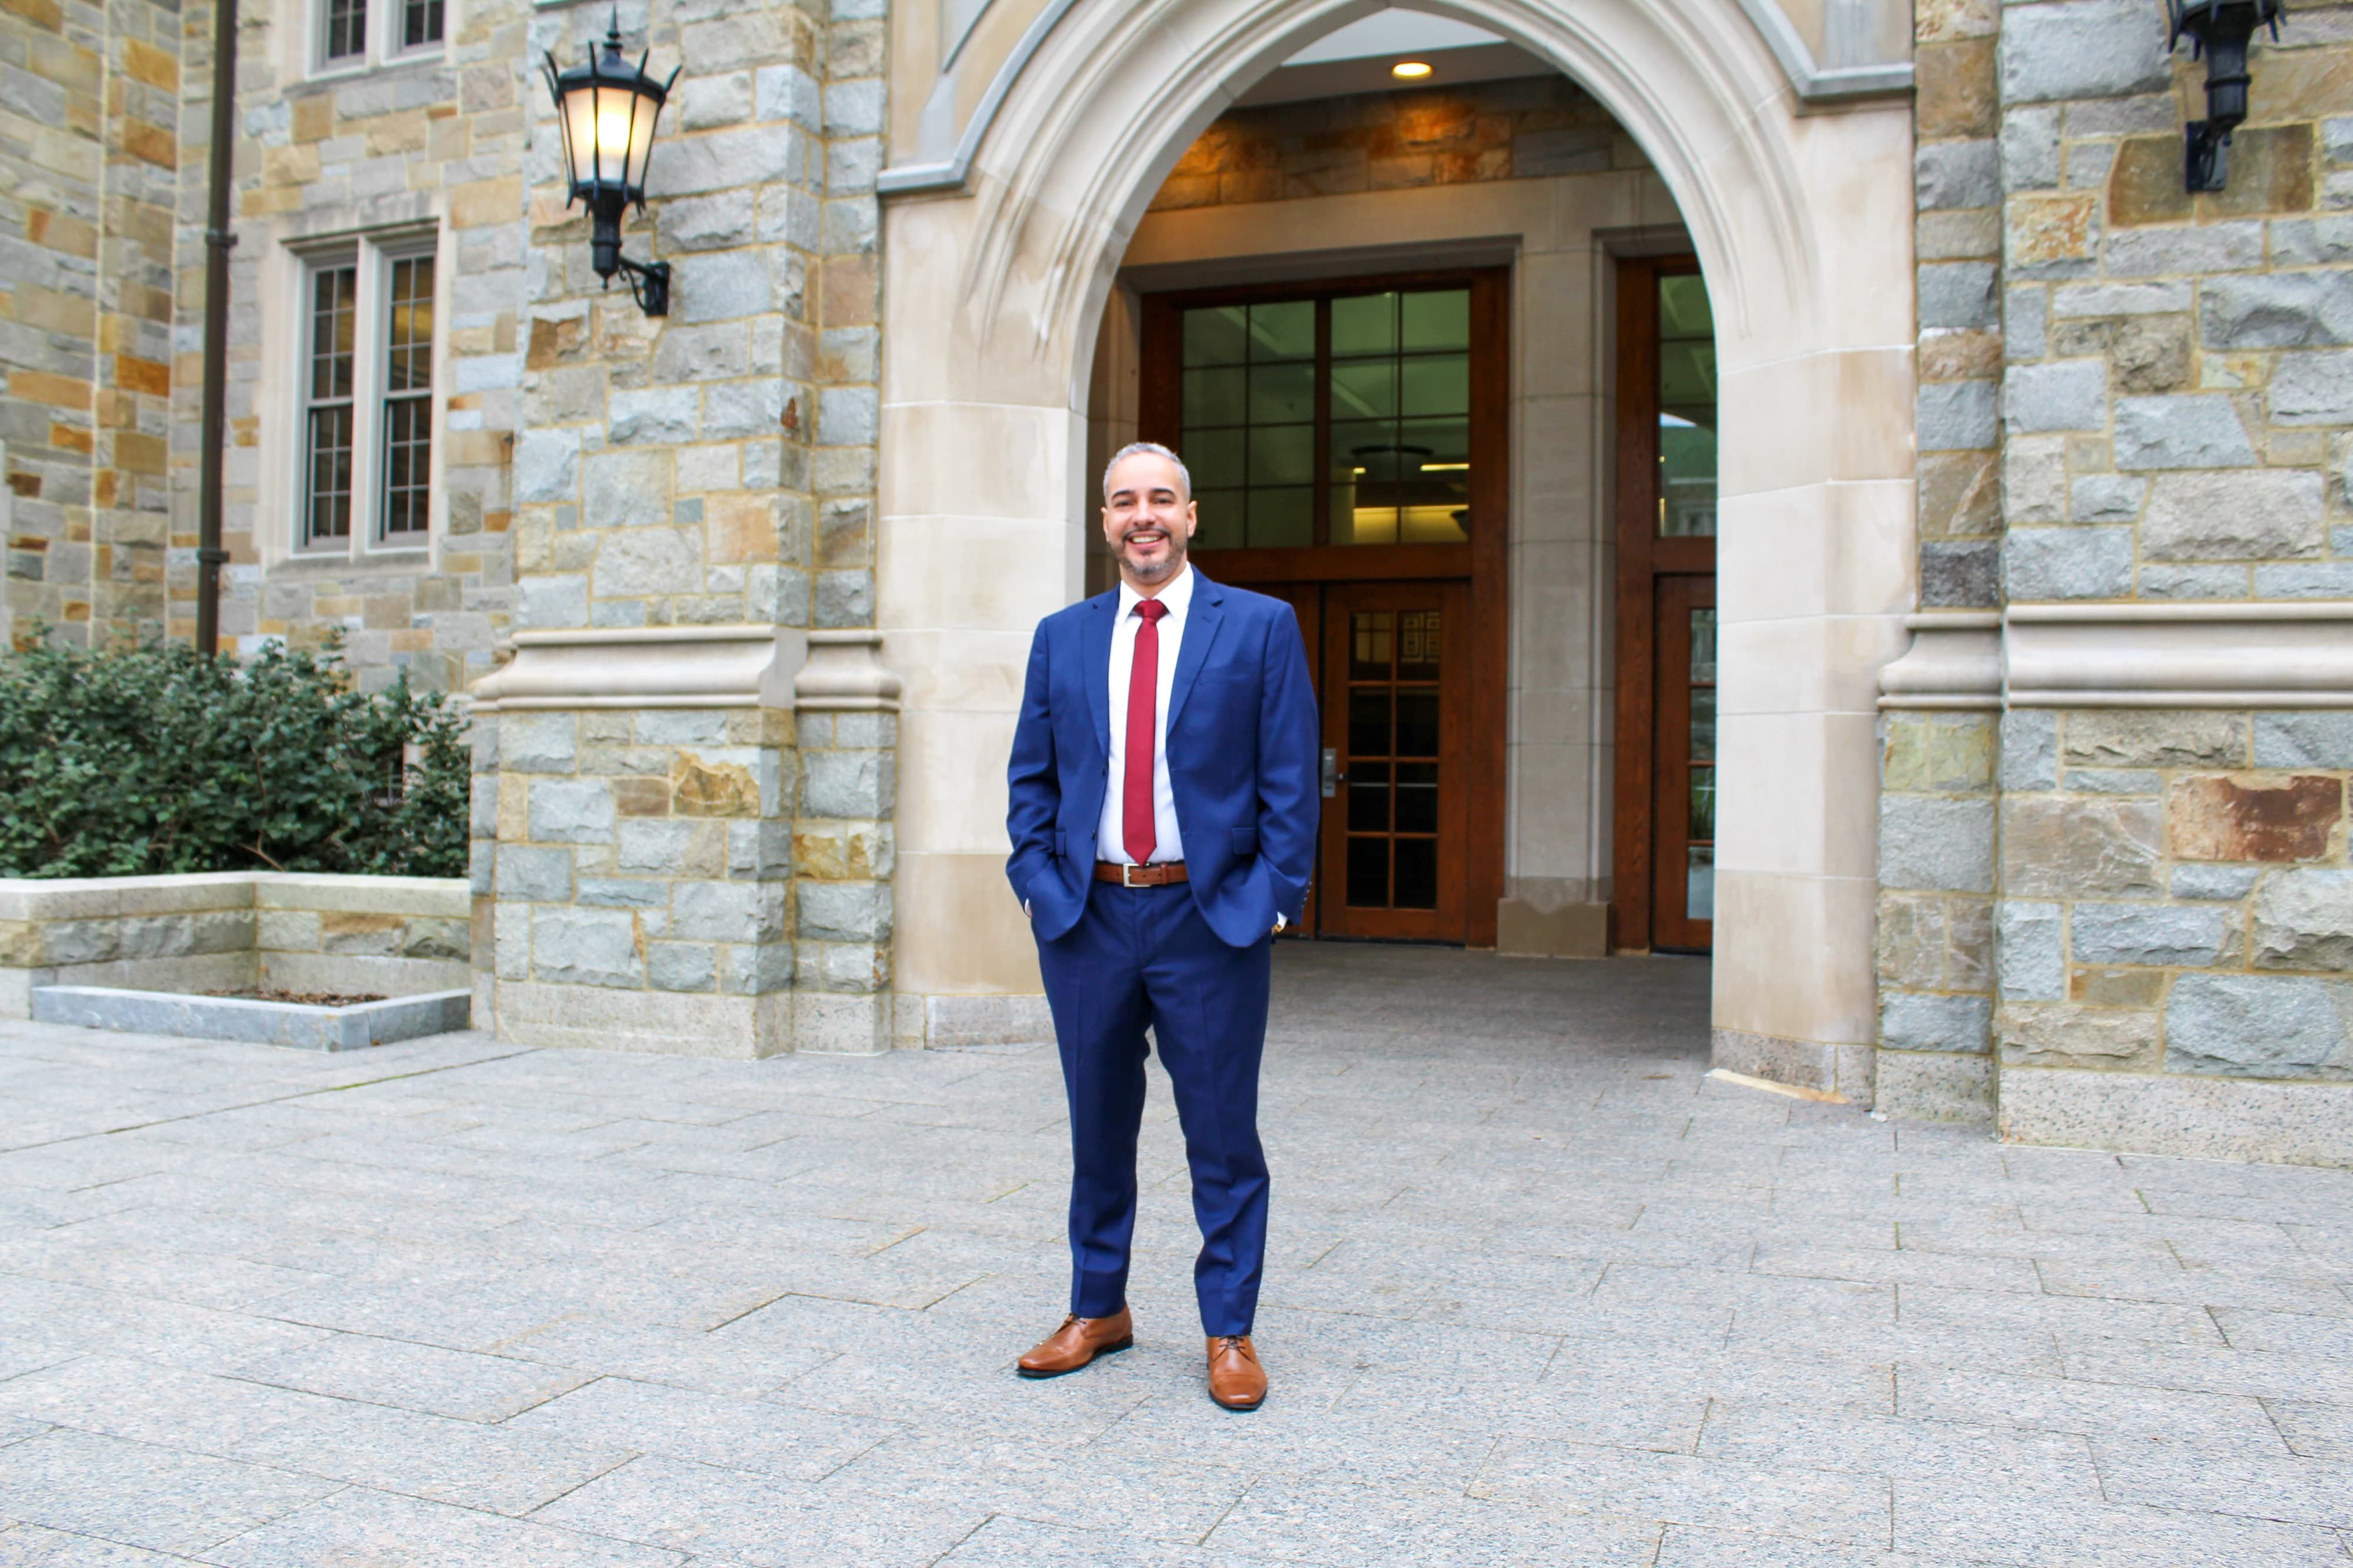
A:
[1184, 474]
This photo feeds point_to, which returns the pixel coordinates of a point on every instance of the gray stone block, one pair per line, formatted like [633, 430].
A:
[547, 464]
[2259, 1026]
[2313, 739]
[2147, 933]
[2312, 389]
[1956, 416]
[848, 416]
[534, 873]
[2114, 780]
[2029, 959]
[2081, 48]
[1960, 573]
[572, 811]
[1948, 175]
[2072, 394]
[1958, 294]
[844, 911]
[2030, 749]
[789, 92]
[720, 286]
[1936, 842]
[854, 108]
[554, 601]
[351, 1028]
[2155, 252]
[2025, 315]
[648, 561]
[2226, 883]
[2260, 516]
[2192, 582]
[1917, 1021]
[2029, 148]
[623, 892]
[2304, 920]
[2105, 497]
[535, 743]
[717, 911]
[2197, 431]
[845, 600]
[585, 947]
[860, 785]
[681, 965]
[656, 415]
[2034, 479]
[2313, 580]
[2067, 564]
[2312, 242]
[2276, 311]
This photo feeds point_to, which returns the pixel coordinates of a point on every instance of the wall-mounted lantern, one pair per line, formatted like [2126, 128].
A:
[2218, 30]
[608, 108]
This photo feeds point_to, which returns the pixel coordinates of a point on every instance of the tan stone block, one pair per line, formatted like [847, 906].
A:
[700, 788]
[56, 391]
[514, 810]
[1960, 356]
[848, 295]
[485, 202]
[2116, 987]
[1959, 495]
[1936, 20]
[2303, 84]
[637, 796]
[61, 232]
[2043, 229]
[45, 13]
[140, 454]
[2145, 182]
[1910, 945]
[52, 311]
[1955, 86]
[740, 528]
[404, 131]
[2214, 817]
[2154, 738]
[2058, 1035]
[2271, 172]
[314, 118]
[143, 375]
[294, 165]
[144, 62]
[2079, 846]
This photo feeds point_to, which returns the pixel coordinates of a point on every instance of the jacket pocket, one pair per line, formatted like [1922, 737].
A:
[1245, 841]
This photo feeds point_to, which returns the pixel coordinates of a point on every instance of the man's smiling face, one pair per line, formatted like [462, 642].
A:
[1148, 519]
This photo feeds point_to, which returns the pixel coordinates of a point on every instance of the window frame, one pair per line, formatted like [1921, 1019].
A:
[381, 31]
[374, 257]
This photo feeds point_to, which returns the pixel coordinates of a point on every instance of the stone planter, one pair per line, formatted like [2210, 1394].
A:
[295, 1023]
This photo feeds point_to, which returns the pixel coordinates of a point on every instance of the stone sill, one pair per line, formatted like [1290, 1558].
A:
[292, 1024]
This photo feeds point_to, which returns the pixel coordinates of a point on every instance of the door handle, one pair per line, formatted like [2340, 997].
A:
[1332, 774]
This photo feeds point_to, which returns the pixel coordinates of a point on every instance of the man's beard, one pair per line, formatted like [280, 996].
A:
[1167, 566]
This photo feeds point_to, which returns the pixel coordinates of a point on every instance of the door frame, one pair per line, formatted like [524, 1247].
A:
[1643, 557]
[1484, 560]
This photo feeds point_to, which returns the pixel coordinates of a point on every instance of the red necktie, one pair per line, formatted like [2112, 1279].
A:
[1142, 734]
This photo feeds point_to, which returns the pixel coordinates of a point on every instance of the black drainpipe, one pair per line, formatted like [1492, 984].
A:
[210, 556]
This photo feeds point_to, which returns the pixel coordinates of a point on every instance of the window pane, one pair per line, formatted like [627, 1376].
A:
[1368, 648]
[1699, 883]
[1703, 646]
[1368, 797]
[409, 350]
[1416, 723]
[346, 28]
[1280, 393]
[1368, 873]
[327, 510]
[1368, 722]
[1282, 519]
[1214, 459]
[1364, 389]
[1218, 335]
[1365, 324]
[420, 23]
[1686, 408]
[1216, 397]
[1702, 803]
[1437, 320]
[1283, 331]
[1417, 797]
[1283, 455]
[407, 463]
[1222, 514]
[1438, 385]
[1417, 638]
[1703, 724]
[335, 321]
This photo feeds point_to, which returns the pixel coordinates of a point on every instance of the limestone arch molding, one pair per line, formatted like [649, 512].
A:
[993, 294]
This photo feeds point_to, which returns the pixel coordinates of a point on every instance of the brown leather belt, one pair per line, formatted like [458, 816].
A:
[1160, 874]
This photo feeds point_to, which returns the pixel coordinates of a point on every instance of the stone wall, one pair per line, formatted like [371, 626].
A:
[90, 149]
[2174, 427]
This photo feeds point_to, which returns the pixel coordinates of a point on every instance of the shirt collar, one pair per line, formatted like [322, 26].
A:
[1177, 595]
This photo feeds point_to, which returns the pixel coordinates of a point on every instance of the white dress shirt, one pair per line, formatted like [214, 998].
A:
[1111, 833]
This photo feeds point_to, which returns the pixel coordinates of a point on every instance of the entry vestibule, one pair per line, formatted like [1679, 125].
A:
[988, 472]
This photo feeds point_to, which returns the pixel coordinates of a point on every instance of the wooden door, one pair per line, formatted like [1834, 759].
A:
[1396, 698]
[1683, 827]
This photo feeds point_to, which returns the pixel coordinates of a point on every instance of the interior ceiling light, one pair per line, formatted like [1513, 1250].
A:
[1410, 71]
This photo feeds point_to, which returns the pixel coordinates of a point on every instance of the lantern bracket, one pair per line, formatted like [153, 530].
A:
[649, 284]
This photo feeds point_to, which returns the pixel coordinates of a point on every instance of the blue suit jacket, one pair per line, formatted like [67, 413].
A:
[1242, 762]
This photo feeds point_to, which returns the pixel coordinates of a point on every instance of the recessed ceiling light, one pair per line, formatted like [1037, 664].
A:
[1410, 71]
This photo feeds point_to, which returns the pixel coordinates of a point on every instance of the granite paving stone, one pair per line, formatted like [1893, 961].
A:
[1538, 1292]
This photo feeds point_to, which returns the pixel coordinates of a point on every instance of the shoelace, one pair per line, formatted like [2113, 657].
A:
[1234, 1342]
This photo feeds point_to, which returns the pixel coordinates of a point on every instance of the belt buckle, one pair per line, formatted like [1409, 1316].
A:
[1127, 875]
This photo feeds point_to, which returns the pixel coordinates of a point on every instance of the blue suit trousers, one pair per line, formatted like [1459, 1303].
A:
[1139, 957]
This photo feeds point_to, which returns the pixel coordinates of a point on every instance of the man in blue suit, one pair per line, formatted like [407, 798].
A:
[1163, 817]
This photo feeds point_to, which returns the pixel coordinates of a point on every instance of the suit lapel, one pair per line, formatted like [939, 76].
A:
[1201, 629]
[1095, 638]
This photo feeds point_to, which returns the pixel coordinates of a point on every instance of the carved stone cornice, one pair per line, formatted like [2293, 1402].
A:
[1955, 661]
[845, 674]
[2280, 655]
[647, 666]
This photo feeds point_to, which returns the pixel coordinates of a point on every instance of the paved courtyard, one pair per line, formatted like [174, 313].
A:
[1538, 1294]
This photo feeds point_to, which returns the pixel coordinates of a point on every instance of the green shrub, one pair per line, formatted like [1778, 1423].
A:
[149, 757]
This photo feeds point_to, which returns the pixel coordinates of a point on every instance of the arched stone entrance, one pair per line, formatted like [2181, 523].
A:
[992, 298]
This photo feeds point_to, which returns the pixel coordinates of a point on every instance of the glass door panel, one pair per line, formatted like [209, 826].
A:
[1684, 824]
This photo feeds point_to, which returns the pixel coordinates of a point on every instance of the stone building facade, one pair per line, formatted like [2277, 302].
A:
[2034, 563]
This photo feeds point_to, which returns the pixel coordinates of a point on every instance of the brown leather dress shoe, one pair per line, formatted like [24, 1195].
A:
[1236, 1379]
[1078, 1341]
